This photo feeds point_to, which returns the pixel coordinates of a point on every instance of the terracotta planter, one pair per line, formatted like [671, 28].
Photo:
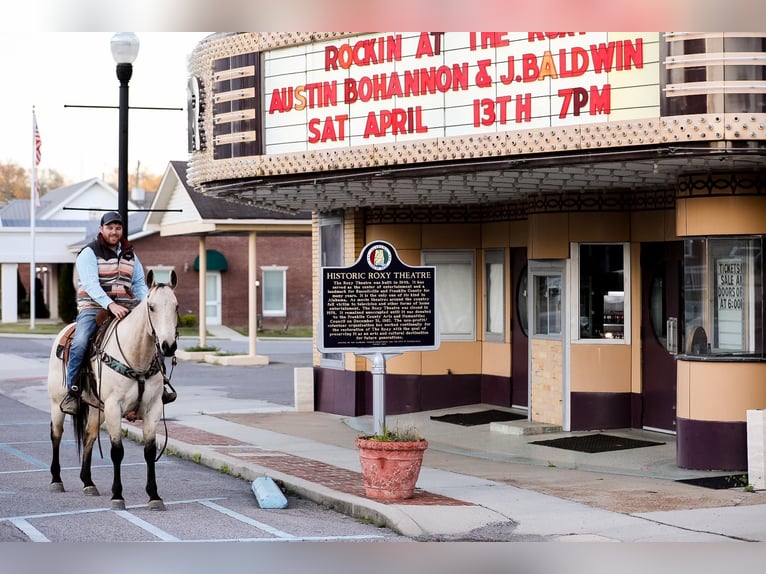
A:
[390, 469]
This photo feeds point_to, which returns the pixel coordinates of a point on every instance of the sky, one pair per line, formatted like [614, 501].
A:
[53, 53]
[52, 70]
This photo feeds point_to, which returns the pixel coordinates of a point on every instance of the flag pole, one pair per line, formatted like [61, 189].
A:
[33, 204]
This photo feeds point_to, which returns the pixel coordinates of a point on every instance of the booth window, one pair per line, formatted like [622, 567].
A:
[455, 293]
[494, 293]
[547, 304]
[602, 308]
[723, 296]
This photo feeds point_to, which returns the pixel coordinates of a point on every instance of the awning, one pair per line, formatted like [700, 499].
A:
[215, 261]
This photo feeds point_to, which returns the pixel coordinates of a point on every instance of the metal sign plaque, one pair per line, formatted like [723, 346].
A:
[379, 304]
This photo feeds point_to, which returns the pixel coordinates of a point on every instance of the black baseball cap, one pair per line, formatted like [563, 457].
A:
[111, 217]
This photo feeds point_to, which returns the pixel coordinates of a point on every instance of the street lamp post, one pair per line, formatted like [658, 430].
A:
[124, 47]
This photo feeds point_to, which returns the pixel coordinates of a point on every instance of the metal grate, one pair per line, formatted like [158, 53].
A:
[594, 443]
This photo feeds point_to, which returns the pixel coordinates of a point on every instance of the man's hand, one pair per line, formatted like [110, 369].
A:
[118, 310]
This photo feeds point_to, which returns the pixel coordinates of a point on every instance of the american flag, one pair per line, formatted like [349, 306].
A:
[38, 154]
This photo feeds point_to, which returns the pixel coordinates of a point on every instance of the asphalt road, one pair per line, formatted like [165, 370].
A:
[203, 505]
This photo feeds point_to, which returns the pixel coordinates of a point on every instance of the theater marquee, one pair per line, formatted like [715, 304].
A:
[395, 86]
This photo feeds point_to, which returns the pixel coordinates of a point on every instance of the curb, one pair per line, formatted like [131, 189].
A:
[356, 507]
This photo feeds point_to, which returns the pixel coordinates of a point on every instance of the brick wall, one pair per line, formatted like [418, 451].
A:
[291, 251]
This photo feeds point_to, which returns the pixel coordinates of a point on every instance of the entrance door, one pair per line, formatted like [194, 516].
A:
[661, 323]
[519, 326]
[213, 297]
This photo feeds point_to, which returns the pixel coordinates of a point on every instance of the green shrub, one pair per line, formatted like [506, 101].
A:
[67, 294]
[188, 320]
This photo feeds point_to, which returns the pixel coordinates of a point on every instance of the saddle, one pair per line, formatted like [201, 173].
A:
[85, 376]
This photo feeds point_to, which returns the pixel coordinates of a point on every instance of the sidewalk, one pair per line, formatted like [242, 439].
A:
[475, 485]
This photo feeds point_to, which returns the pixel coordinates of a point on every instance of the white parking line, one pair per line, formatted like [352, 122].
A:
[24, 525]
[33, 533]
[144, 525]
[246, 519]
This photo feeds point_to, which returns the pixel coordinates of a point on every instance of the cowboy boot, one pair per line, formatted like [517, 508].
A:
[168, 392]
[70, 404]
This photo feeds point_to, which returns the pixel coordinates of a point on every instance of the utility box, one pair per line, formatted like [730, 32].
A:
[756, 448]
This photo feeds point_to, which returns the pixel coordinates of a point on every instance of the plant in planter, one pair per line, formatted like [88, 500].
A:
[391, 462]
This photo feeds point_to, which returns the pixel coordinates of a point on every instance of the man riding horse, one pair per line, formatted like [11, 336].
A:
[110, 277]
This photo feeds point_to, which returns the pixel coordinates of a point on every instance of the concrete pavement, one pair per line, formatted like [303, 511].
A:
[475, 484]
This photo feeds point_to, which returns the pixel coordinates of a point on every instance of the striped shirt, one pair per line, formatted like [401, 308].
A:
[108, 276]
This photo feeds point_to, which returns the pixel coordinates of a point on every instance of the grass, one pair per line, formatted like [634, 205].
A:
[22, 328]
[47, 327]
[305, 332]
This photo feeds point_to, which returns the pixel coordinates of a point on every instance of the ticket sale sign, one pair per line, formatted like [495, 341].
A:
[396, 86]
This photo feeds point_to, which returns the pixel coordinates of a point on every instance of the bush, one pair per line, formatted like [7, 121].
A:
[187, 320]
[67, 294]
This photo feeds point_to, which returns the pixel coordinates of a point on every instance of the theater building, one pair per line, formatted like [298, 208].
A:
[594, 205]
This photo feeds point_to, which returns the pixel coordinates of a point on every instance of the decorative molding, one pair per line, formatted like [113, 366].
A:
[718, 184]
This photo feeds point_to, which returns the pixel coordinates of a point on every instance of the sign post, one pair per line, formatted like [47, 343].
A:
[378, 308]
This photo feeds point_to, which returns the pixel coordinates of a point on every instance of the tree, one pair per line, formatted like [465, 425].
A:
[149, 181]
[15, 181]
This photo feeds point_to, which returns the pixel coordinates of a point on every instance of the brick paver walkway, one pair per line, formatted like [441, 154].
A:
[329, 476]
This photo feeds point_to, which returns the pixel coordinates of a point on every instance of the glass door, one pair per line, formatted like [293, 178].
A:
[213, 297]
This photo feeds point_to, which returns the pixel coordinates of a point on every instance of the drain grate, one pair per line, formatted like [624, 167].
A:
[594, 443]
[718, 482]
[478, 418]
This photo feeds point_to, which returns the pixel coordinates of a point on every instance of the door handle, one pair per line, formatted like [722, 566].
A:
[671, 328]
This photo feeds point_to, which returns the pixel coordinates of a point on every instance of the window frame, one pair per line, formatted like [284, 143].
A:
[702, 284]
[282, 271]
[494, 257]
[435, 257]
[162, 269]
[574, 332]
[330, 360]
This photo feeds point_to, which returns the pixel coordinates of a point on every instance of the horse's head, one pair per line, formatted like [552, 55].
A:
[162, 308]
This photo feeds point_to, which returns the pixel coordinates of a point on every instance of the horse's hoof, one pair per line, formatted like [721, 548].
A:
[156, 504]
[118, 504]
[57, 487]
[91, 491]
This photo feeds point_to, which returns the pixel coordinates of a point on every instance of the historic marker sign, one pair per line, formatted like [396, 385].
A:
[379, 304]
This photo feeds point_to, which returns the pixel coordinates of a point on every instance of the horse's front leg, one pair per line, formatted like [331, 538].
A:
[91, 433]
[117, 453]
[113, 416]
[150, 455]
[151, 419]
[57, 431]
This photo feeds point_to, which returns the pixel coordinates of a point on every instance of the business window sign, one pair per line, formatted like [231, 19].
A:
[378, 305]
[730, 297]
[391, 87]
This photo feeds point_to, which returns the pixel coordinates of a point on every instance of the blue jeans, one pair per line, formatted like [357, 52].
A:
[86, 327]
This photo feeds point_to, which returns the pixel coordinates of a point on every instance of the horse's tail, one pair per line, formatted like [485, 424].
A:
[79, 423]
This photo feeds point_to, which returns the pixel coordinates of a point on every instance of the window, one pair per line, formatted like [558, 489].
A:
[274, 291]
[331, 255]
[494, 293]
[723, 306]
[602, 291]
[547, 311]
[161, 273]
[455, 293]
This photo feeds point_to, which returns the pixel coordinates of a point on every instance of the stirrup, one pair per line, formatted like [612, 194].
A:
[70, 404]
[168, 393]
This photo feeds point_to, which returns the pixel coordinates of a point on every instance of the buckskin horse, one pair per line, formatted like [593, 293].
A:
[129, 373]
